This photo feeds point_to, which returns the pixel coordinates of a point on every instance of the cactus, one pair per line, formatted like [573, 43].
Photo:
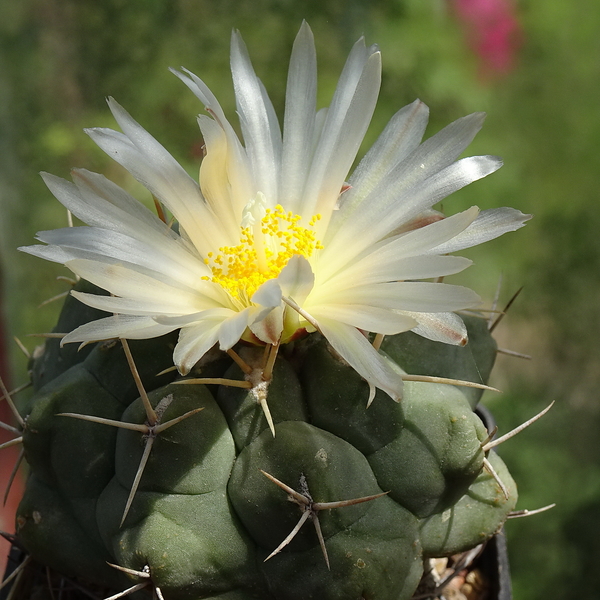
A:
[205, 516]
[225, 398]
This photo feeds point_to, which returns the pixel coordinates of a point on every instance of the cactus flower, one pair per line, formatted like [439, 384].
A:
[277, 238]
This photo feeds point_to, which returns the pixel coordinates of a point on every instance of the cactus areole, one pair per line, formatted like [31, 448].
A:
[273, 401]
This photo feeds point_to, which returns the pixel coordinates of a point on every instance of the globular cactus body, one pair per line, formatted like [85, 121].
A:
[204, 517]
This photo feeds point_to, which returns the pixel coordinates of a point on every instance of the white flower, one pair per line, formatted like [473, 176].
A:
[276, 238]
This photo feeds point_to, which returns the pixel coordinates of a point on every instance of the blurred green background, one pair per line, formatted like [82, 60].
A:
[533, 66]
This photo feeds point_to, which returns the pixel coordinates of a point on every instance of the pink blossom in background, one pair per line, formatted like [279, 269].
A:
[493, 31]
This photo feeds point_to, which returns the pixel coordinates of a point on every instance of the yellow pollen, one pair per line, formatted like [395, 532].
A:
[236, 268]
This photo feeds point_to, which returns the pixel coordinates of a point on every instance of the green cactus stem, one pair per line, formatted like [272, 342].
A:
[188, 492]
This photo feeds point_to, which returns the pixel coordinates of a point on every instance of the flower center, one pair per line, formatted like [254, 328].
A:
[263, 251]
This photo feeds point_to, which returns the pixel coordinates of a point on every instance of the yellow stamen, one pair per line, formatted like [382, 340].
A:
[238, 269]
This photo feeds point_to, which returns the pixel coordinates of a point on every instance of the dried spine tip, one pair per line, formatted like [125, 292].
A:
[22, 348]
[168, 370]
[9, 428]
[267, 373]
[448, 381]
[516, 514]
[492, 444]
[513, 353]
[69, 280]
[19, 570]
[145, 574]
[215, 381]
[52, 335]
[378, 340]
[239, 361]
[12, 475]
[12, 442]
[53, 299]
[487, 465]
[11, 404]
[301, 312]
[131, 590]
[495, 302]
[150, 414]
[508, 305]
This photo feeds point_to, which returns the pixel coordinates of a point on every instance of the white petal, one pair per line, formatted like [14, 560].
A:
[212, 314]
[96, 242]
[125, 306]
[202, 92]
[345, 125]
[434, 155]
[406, 296]
[259, 123]
[382, 215]
[299, 122]
[431, 236]
[448, 328]
[268, 326]
[52, 253]
[437, 152]
[158, 171]
[356, 350]
[98, 267]
[435, 188]
[489, 225]
[194, 342]
[131, 284]
[403, 269]
[268, 294]
[101, 203]
[116, 209]
[200, 335]
[232, 329]
[400, 137]
[238, 168]
[412, 243]
[168, 187]
[297, 279]
[365, 317]
[214, 176]
[118, 326]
